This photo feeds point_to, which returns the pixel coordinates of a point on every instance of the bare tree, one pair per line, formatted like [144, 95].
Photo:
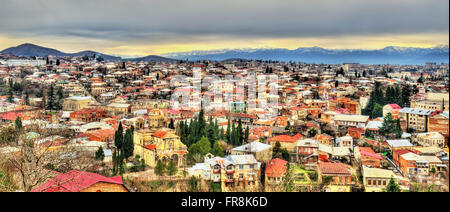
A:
[35, 162]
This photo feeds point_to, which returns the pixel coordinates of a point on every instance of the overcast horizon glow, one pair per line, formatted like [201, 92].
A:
[139, 28]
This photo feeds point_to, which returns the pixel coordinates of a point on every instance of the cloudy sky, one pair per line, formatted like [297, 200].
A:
[142, 27]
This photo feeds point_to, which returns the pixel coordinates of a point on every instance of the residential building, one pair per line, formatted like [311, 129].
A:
[338, 175]
[430, 139]
[262, 152]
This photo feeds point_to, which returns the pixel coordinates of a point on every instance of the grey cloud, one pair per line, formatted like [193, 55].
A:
[166, 20]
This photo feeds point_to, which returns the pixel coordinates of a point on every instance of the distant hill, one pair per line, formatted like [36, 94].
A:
[30, 50]
[388, 55]
[152, 58]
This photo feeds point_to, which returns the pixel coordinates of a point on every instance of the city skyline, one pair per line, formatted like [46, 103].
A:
[140, 28]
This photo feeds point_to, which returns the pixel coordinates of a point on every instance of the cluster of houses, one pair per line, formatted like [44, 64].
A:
[319, 122]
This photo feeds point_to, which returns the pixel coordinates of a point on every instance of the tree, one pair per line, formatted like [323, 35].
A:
[51, 98]
[228, 133]
[27, 99]
[18, 123]
[277, 151]
[171, 168]
[160, 168]
[118, 138]
[10, 96]
[405, 95]
[171, 124]
[128, 145]
[100, 154]
[285, 154]
[204, 146]
[217, 149]
[288, 180]
[392, 186]
[377, 111]
[239, 133]
[247, 134]
[60, 97]
[312, 132]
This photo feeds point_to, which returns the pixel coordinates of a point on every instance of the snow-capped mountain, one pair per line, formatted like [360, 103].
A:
[387, 55]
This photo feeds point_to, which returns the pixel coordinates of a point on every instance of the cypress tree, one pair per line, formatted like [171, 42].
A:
[118, 138]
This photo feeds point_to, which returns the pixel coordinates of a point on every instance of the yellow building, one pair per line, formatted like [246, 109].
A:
[156, 119]
[118, 108]
[75, 103]
[415, 118]
[163, 144]
[262, 152]
[376, 179]
[235, 172]
[430, 139]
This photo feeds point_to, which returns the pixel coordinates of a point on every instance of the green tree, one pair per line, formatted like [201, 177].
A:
[128, 145]
[288, 180]
[377, 111]
[392, 186]
[10, 96]
[160, 168]
[171, 168]
[247, 134]
[217, 149]
[285, 154]
[18, 123]
[99, 154]
[51, 98]
[171, 124]
[312, 132]
[204, 146]
[27, 99]
[277, 151]
[118, 138]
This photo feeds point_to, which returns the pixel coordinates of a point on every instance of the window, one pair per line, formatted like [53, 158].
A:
[384, 182]
[369, 182]
[251, 166]
[379, 182]
[241, 166]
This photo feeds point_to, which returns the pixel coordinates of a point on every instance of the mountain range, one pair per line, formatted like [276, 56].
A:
[387, 55]
[30, 50]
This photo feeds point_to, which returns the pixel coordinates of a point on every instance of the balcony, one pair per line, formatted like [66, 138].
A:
[230, 171]
[229, 181]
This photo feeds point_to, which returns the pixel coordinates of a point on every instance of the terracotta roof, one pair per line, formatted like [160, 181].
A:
[286, 138]
[276, 167]
[75, 181]
[395, 106]
[334, 168]
[150, 146]
[160, 134]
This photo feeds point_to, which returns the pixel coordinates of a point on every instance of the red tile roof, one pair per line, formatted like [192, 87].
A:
[75, 181]
[150, 146]
[327, 168]
[286, 138]
[395, 106]
[160, 134]
[276, 168]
